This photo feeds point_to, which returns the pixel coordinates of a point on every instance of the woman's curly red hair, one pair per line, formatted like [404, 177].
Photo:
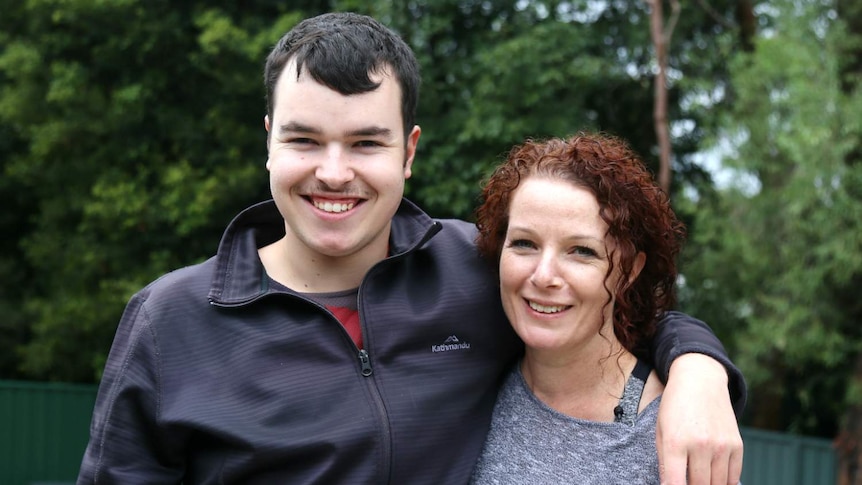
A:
[638, 214]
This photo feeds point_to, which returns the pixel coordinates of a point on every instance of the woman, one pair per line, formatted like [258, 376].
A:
[586, 244]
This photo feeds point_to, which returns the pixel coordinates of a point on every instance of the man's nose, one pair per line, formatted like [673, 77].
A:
[335, 168]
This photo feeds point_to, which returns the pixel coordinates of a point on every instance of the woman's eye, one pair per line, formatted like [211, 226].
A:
[584, 251]
[521, 243]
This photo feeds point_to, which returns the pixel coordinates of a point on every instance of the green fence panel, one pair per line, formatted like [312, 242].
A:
[43, 431]
[772, 458]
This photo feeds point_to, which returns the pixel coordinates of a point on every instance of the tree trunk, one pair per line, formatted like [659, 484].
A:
[848, 444]
[661, 39]
[747, 24]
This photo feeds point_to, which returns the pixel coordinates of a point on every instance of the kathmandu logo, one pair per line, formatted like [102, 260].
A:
[451, 343]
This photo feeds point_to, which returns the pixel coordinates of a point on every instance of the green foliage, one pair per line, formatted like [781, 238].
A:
[498, 72]
[136, 134]
[775, 265]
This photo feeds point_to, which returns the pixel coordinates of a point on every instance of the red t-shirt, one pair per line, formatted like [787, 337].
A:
[350, 319]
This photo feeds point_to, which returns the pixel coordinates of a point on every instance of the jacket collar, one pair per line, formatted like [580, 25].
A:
[239, 276]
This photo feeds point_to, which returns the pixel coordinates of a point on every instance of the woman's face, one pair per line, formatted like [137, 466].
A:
[553, 266]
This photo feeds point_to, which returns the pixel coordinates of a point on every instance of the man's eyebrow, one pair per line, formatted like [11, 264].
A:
[372, 131]
[366, 131]
[296, 127]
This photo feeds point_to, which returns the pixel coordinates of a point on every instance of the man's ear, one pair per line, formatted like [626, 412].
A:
[266, 126]
[411, 143]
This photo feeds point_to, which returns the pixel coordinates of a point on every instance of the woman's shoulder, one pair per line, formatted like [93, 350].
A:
[653, 389]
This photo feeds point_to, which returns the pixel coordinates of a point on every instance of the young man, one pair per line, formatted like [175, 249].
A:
[341, 335]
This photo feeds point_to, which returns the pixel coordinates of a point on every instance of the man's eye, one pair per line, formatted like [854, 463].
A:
[300, 141]
[367, 144]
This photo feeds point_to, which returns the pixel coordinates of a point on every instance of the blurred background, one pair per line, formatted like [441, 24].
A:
[131, 132]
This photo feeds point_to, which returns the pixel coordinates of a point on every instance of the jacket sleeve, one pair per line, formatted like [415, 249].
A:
[678, 334]
[127, 443]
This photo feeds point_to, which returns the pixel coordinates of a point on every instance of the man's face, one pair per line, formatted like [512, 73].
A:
[337, 166]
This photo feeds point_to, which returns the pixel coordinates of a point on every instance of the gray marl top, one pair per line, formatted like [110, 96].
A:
[530, 443]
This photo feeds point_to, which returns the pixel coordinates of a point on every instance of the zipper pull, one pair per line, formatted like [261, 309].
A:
[366, 363]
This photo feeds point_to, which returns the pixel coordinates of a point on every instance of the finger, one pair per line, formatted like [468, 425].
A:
[671, 462]
[699, 466]
[720, 467]
[734, 471]
[672, 471]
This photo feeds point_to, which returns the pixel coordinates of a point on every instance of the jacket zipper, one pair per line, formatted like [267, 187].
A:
[365, 363]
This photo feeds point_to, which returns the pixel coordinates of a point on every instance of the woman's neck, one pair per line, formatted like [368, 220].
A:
[587, 385]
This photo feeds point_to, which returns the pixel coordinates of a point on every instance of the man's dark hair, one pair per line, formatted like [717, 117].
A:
[341, 51]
